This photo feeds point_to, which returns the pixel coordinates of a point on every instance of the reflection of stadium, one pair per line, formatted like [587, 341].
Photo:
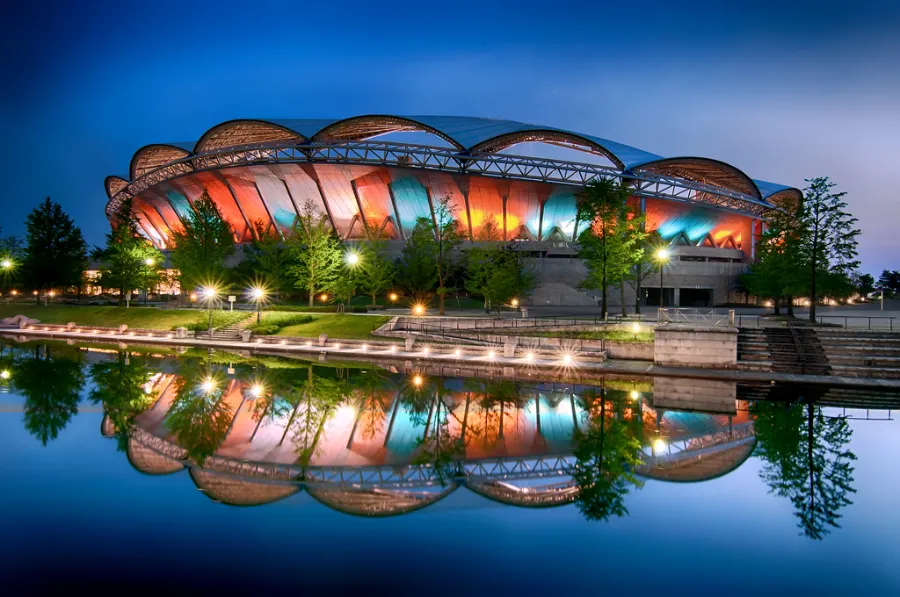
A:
[265, 170]
[365, 456]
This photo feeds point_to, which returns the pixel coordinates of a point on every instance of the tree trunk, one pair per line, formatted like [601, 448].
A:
[374, 302]
[312, 296]
[777, 302]
[790, 306]
[637, 290]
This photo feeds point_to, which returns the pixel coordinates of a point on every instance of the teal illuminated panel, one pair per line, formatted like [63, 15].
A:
[559, 214]
[276, 198]
[408, 430]
[412, 202]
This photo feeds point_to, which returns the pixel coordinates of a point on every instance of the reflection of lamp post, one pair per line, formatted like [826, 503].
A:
[6, 265]
[258, 295]
[662, 256]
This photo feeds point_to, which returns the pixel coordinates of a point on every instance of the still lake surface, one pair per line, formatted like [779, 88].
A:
[139, 472]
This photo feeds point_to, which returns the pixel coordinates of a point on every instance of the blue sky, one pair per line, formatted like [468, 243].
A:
[782, 90]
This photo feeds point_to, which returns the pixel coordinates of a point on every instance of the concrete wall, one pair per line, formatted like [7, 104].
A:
[702, 395]
[677, 345]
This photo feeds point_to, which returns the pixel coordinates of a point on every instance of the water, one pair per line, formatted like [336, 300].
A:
[362, 478]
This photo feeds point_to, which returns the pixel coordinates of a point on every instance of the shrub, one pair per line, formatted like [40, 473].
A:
[273, 321]
[219, 319]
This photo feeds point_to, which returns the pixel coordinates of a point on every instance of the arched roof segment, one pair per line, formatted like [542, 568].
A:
[235, 133]
[240, 491]
[114, 184]
[776, 193]
[151, 157]
[704, 170]
[377, 502]
[365, 127]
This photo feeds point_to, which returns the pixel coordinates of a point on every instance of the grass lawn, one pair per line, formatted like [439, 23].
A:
[136, 317]
[337, 326]
[611, 335]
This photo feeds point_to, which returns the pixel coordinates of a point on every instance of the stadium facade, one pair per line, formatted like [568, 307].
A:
[359, 175]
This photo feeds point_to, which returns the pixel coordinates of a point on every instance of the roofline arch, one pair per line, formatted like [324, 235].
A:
[791, 194]
[198, 147]
[751, 187]
[107, 184]
[135, 159]
[322, 495]
[545, 135]
[387, 119]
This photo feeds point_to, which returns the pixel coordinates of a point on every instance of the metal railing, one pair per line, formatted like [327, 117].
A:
[873, 323]
[708, 317]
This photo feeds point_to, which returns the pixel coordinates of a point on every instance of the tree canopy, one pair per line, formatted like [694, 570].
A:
[128, 261]
[203, 246]
[316, 253]
[55, 253]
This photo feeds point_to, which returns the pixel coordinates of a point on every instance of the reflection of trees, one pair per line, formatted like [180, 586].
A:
[437, 447]
[606, 454]
[198, 417]
[314, 402]
[51, 386]
[498, 398]
[805, 460]
[119, 387]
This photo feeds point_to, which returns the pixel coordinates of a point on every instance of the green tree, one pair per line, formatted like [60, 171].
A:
[447, 239]
[315, 251]
[203, 246]
[778, 272]
[266, 261]
[376, 273]
[119, 387]
[864, 284]
[417, 266]
[51, 386]
[199, 416]
[829, 240]
[889, 281]
[606, 455]
[498, 273]
[128, 261]
[806, 460]
[610, 245]
[55, 252]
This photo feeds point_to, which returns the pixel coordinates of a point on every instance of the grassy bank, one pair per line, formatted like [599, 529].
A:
[611, 335]
[348, 326]
[136, 317]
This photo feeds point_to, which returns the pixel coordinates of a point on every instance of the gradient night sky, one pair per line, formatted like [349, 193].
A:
[782, 91]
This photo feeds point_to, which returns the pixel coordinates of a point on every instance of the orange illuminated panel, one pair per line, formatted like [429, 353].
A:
[148, 212]
[340, 199]
[485, 204]
[376, 200]
[523, 210]
[156, 237]
[443, 185]
[302, 188]
[275, 195]
[162, 204]
[242, 186]
[193, 187]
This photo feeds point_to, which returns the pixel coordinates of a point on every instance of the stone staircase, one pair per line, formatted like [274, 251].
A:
[229, 333]
[850, 398]
[797, 350]
[862, 354]
[753, 350]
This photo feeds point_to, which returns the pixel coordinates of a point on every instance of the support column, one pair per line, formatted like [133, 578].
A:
[268, 211]
[359, 206]
[397, 221]
[753, 224]
[676, 298]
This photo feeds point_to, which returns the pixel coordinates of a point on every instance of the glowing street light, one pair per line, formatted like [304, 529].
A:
[209, 293]
[659, 445]
[6, 264]
[149, 262]
[393, 297]
[635, 394]
[662, 256]
[208, 385]
[258, 294]
[324, 297]
[514, 303]
[5, 374]
[529, 356]
[417, 381]
[418, 309]
[256, 390]
[352, 258]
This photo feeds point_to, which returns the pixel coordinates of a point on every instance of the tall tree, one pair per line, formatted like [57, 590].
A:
[315, 251]
[498, 273]
[606, 455]
[889, 281]
[376, 273]
[447, 239]
[203, 246]
[51, 386]
[829, 239]
[610, 245]
[806, 460]
[417, 266]
[266, 261]
[119, 387]
[55, 251]
[128, 261]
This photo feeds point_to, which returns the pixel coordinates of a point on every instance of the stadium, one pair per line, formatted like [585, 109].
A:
[386, 171]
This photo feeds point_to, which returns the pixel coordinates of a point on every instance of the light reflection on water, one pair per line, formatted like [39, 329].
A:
[374, 443]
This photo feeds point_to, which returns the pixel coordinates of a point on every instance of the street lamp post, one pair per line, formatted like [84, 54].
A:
[209, 293]
[258, 294]
[662, 255]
